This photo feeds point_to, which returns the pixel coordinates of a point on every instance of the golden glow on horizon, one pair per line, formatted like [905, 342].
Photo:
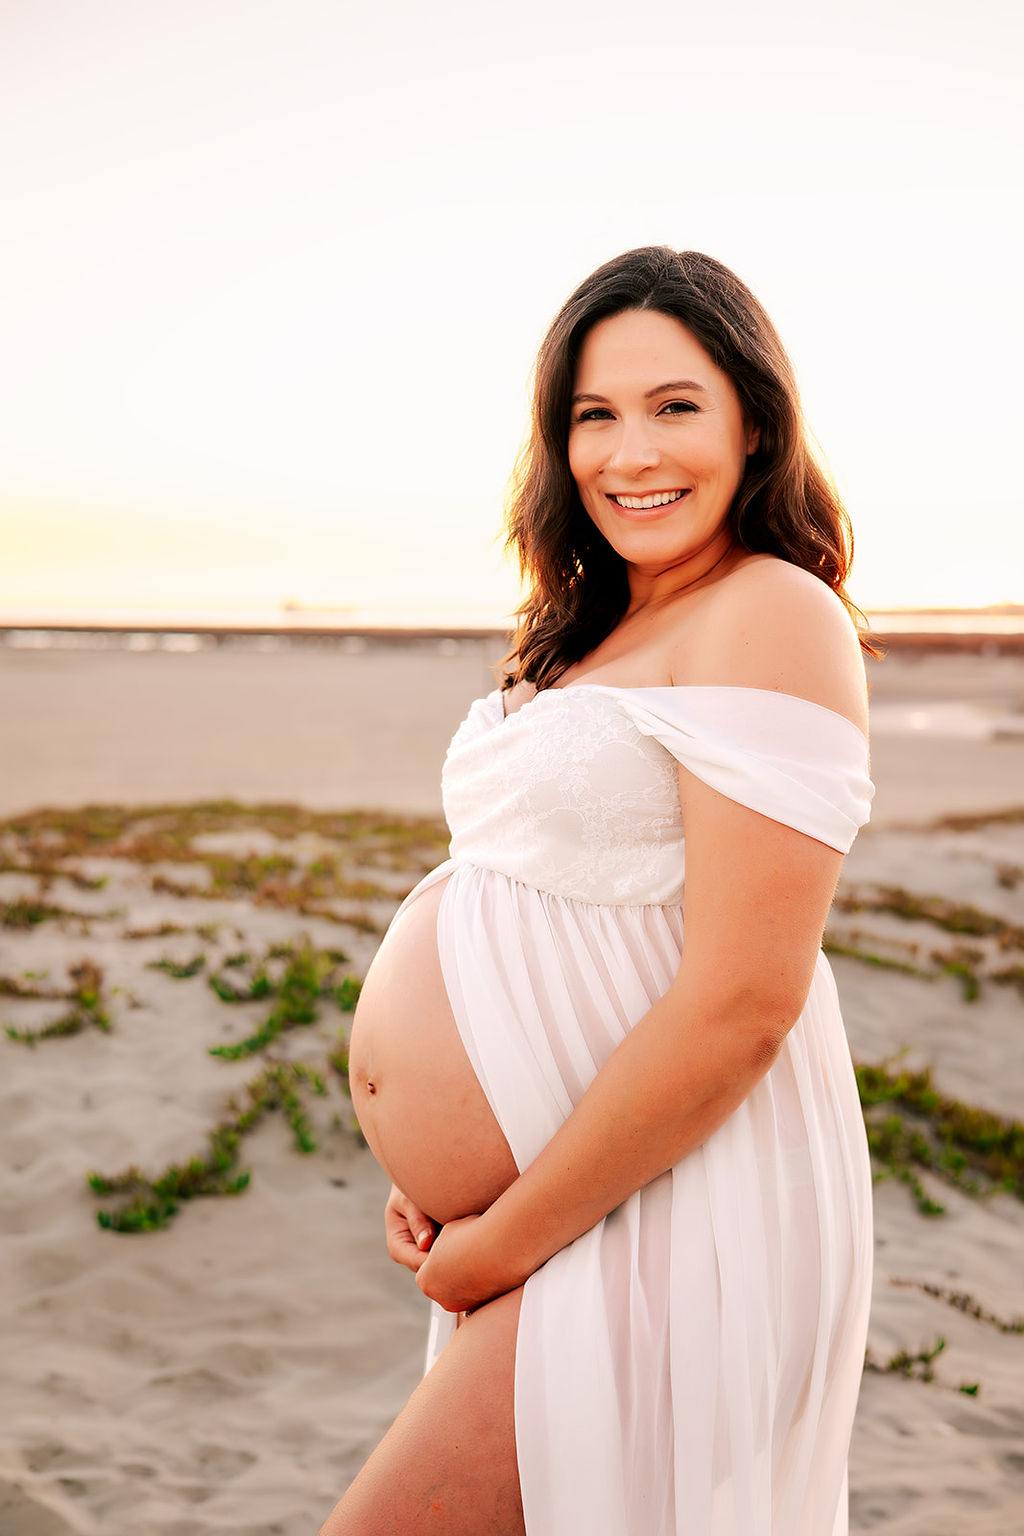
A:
[260, 353]
[191, 564]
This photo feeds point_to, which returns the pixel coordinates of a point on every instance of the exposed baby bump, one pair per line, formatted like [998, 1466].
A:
[417, 1098]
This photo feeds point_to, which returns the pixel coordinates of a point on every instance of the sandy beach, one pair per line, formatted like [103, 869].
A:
[228, 1367]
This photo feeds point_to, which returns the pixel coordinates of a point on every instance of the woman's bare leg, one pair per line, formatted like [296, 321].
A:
[447, 1466]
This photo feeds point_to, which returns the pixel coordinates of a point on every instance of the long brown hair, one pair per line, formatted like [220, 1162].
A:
[785, 504]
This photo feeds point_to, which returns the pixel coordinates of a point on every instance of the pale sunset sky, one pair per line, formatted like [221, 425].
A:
[273, 273]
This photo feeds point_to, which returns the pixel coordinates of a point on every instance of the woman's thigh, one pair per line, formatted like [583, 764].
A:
[447, 1465]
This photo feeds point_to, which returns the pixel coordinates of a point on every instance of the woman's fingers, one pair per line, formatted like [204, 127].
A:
[409, 1232]
[461, 1272]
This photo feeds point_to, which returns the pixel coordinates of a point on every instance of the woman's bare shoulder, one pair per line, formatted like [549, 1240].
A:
[515, 697]
[773, 625]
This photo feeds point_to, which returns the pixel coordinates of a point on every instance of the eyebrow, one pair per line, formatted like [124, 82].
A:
[659, 389]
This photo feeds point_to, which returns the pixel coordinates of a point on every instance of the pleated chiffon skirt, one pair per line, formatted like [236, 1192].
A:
[691, 1364]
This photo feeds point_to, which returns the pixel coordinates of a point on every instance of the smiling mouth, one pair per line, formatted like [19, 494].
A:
[646, 503]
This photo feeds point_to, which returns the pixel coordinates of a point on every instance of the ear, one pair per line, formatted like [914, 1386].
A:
[753, 440]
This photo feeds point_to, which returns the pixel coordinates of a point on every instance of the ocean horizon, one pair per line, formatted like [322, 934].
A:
[197, 629]
[940, 696]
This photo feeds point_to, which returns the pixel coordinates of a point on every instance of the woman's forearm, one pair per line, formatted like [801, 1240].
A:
[677, 1076]
[757, 894]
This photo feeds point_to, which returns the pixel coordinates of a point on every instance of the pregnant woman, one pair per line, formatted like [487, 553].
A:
[614, 1093]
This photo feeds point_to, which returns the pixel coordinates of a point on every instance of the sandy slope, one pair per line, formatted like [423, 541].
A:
[928, 1460]
[334, 728]
[229, 1373]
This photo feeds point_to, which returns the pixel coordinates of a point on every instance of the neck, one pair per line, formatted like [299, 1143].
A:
[648, 588]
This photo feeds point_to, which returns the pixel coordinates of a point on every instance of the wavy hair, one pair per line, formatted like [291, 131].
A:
[785, 504]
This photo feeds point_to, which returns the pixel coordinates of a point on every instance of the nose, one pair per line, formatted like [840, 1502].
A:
[634, 447]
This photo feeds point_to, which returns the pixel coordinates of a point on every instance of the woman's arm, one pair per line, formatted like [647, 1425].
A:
[757, 896]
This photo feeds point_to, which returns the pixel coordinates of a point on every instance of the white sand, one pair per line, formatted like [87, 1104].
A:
[324, 728]
[230, 1373]
[333, 729]
[928, 1460]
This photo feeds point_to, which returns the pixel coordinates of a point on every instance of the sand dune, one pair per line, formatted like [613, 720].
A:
[229, 1372]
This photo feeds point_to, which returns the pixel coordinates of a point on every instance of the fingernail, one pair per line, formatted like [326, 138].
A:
[424, 1238]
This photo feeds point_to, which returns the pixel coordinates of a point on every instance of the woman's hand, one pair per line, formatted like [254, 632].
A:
[409, 1232]
[462, 1269]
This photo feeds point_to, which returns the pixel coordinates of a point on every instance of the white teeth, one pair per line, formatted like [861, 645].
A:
[644, 503]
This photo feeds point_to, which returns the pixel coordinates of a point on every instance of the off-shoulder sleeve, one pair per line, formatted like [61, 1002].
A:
[792, 760]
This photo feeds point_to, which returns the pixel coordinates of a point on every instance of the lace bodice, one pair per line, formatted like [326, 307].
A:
[576, 792]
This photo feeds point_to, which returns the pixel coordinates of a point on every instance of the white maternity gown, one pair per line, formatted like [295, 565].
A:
[690, 1366]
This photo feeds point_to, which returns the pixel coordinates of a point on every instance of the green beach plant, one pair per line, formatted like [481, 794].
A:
[961, 1301]
[913, 1366]
[179, 972]
[29, 912]
[87, 1009]
[309, 975]
[28, 987]
[833, 946]
[913, 1128]
[150, 1203]
[951, 916]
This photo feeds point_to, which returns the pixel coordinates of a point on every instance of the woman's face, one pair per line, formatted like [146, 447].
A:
[657, 441]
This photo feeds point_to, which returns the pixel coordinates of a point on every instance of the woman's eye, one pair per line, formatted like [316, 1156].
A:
[678, 408]
[594, 413]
